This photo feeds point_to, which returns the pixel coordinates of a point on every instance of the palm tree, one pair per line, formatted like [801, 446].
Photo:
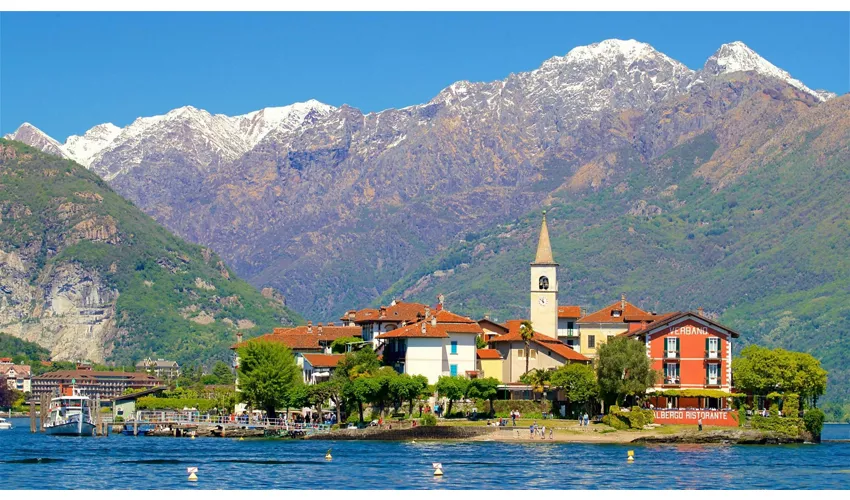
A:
[526, 331]
[538, 379]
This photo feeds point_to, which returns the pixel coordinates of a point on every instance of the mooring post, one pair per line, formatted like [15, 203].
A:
[99, 417]
[45, 409]
[32, 415]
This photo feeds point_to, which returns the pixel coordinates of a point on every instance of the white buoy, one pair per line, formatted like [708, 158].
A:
[438, 468]
[631, 456]
[192, 475]
[328, 455]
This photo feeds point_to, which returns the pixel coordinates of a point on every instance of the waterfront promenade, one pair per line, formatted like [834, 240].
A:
[186, 422]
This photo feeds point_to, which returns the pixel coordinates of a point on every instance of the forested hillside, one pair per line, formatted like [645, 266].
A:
[87, 275]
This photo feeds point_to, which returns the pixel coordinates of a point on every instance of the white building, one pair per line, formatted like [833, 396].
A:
[17, 377]
[441, 344]
[319, 367]
[374, 322]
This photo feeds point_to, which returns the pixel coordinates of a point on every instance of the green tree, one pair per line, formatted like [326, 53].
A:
[329, 390]
[577, 380]
[484, 388]
[357, 363]
[526, 331]
[451, 388]
[762, 371]
[623, 369]
[340, 346]
[382, 381]
[222, 373]
[267, 375]
[360, 391]
[225, 399]
[480, 343]
[537, 378]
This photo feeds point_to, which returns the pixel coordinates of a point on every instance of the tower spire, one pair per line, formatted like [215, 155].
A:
[544, 248]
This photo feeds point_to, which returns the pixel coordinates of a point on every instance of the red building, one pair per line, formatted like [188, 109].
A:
[694, 354]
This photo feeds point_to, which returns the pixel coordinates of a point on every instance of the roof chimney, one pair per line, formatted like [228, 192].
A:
[330, 323]
[320, 327]
[392, 304]
[427, 312]
[487, 316]
[309, 327]
[384, 310]
[433, 321]
[423, 327]
[238, 337]
[623, 303]
[700, 311]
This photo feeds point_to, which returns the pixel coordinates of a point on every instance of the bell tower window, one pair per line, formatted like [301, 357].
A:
[543, 283]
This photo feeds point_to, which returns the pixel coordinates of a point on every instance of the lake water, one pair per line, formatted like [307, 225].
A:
[38, 461]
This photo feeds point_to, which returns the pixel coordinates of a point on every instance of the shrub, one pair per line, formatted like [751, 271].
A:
[791, 405]
[502, 408]
[634, 418]
[788, 425]
[616, 421]
[118, 420]
[813, 420]
[428, 419]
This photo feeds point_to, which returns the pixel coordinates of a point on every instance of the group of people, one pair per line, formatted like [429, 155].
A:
[535, 430]
[583, 420]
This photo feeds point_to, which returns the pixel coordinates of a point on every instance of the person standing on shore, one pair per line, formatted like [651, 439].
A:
[513, 417]
[531, 430]
[699, 423]
[586, 419]
[552, 433]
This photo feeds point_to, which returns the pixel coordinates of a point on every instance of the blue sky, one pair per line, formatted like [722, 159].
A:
[66, 72]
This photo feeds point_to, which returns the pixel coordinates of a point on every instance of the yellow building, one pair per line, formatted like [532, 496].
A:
[490, 364]
[598, 327]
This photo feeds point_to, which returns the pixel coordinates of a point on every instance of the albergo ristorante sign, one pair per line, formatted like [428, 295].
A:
[709, 417]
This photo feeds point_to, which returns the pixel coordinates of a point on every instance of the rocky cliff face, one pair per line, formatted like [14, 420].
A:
[65, 308]
[90, 277]
[332, 206]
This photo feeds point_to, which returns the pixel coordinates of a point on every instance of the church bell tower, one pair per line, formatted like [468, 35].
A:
[544, 286]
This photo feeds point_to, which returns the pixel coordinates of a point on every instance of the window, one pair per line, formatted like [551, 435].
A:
[454, 347]
[713, 374]
[610, 337]
[453, 370]
[532, 353]
[672, 344]
[671, 373]
[591, 341]
[712, 347]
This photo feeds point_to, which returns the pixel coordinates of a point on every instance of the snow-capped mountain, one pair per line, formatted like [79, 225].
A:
[281, 192]
[736, 56]
[209, 138]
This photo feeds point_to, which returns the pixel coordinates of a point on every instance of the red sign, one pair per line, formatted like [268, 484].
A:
[727, 418]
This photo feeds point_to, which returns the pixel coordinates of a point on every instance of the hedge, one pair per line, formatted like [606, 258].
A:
[791, 405]
[503, 407]
[636, 418]
[784, 425]
[154, 403]
[428, 419]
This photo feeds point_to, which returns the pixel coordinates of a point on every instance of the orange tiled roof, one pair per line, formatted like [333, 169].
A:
[538, 338]
[305, 337]
[569, 311]
[20, 370]
[606, 314]
[673, 316]
[401, 311]
[444, 316]
[447, 322]
[85, 375]
[324, 360]
[488, 354]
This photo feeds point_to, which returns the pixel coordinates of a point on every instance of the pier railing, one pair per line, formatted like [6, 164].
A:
[184, 418]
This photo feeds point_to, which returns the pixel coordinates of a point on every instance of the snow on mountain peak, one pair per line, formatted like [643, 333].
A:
[737, 56]
[83, 149]
[257, 124]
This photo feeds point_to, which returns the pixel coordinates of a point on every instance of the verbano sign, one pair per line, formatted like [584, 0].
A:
[689, 330]
[727, 418]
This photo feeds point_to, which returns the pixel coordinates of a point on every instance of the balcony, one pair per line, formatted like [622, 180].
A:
[671, 381]
[671, 354]
[712, 382]
[568, 332]
[712, 355]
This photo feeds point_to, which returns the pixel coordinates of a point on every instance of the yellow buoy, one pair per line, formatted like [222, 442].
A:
[631, 456]
[438, 472]
[192, 471]
[328, 455]
[438, 468]
[241, 439]
[193, 436]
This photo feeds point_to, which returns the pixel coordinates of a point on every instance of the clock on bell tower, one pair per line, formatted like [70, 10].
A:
[544, 286]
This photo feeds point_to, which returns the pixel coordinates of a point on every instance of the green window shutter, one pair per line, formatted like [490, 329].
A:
[707, 343]
[678, 343]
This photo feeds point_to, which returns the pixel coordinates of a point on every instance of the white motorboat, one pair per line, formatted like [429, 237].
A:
[70, 414]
